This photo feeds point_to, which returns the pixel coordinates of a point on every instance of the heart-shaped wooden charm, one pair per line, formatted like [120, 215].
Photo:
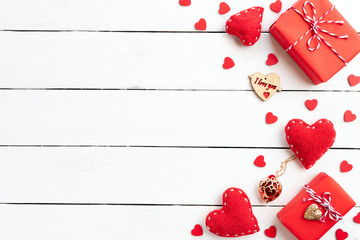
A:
[265, 86]
[313, 212]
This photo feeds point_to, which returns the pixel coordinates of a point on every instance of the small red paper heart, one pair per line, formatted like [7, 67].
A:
[185, 2]
[271, 118]
[357, 218]
[266, 94]
[353, 80]
[310, 142]
[311, 104]
[271, 60]
[224, 8]
[235, 218]
[341, 235]
[201, 25]
[271, 232]
[246, 25]
[276, 6]
[349, 116]
[259, 161]
[197, 230]
[228, 63]
[345, 167]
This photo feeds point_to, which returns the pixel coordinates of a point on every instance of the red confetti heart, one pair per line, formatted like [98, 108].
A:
[246, 25]
[201, 25]
[345, 167]
[223, 8]
[311, 104]
[259, 161]
[228, 63]
[266, 94]
[349, 116]
[276, 6]
[197, 230]
[185, 2]
[341, 235]
[357, 218]
[353, 80]
[272, 60]
[271, 118]
[270, 232]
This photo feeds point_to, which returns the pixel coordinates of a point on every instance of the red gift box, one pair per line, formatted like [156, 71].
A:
[292, 215]
[333, 41]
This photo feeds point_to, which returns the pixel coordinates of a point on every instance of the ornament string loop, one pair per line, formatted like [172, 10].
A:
[324, 200]
[283, 166]
[316, 30]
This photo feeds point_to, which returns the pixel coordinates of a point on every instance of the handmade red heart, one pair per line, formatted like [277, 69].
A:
[271, 60]
[271, 232]
[197, 230]
[235, 218]
[349, 116]
[357, 218]
[270, 118]
[224, 8]
[259, 161]
[246, 25]
[228, 63]
[341, 235]
[185, 2]
[309, 142]
[345, 167]
[353, 80]
[311, 104]
[201, 25]
[276, 6]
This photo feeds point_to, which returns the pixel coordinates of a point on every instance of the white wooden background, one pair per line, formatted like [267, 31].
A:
[118, 121]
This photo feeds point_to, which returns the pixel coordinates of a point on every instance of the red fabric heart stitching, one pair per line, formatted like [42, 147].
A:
[311, 104]
[309, 142]
[259, 161]
[357, 218]
[271, 60]
[246, 25]
[185, 2]
[276, 6]
[353, 80]
[235, 218]
[341, 235]
[201, 25]
[349, 116]
[224, 8]
[270, 232]
[197, 230]
[345, 167]
[228, 63]
[271, 118]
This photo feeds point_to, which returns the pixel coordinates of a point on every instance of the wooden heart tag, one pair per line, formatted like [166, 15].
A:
[313, 212]
[265, 86]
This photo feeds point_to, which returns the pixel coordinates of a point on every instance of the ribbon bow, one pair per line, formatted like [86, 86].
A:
[324, 200]
[316, 29]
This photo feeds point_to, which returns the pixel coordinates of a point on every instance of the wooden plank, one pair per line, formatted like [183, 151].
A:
[39, 222]
[136, 15]
[166, 118]
[155, 175]
[146, 61]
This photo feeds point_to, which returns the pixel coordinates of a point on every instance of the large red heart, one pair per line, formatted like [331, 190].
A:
[235, 218]
[246, 25]
[310, 142]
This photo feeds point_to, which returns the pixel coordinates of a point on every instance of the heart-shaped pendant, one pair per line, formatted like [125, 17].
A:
[269, 189]
[265, 86]
[313, 212]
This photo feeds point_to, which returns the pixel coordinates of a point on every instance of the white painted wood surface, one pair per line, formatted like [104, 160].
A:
[83, 157]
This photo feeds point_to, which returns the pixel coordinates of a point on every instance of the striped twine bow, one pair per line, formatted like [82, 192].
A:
[324, 201]
[316, 30]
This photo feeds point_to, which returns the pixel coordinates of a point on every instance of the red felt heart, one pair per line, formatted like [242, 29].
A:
[246, 25]
[341, 235]
[235, 218]
[309, 142]
[349, 116]
[276, 6]
[271, 232]
[224, 8]
[266, 94]
[259, 161]
[197, 230]
[185, 2]
[228, 63]
[201, 25]
[311, 104]
[271, 118]
[345, 167]
[271, 60]
[357, 218]
[353, 80]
